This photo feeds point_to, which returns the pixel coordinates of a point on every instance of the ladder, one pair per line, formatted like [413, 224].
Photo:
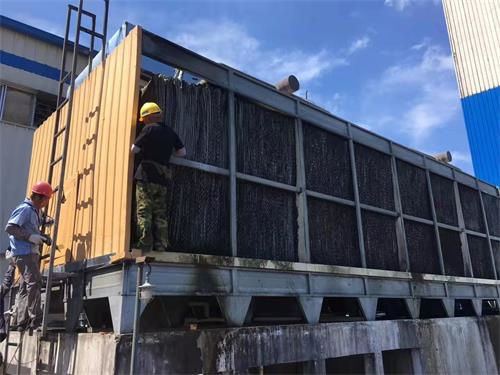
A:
[65, 129]
[9, 343]
[63, 132]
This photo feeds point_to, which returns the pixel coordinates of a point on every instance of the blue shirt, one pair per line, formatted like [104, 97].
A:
[27, 217]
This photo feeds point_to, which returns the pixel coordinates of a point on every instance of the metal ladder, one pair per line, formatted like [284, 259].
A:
[65, 130]
[59, 131]
[9, 343]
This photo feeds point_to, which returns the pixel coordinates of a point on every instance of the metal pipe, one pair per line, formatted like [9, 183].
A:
[265, 181]
[447, 226]
[19, 354]
[330, 198]
[105, 30]
[137, 316]
[288, 85]
[418, 219]
[200, 166]
[444, 157]
[378, 210]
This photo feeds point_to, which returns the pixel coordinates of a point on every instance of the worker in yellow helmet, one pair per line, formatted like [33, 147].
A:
[154, 146]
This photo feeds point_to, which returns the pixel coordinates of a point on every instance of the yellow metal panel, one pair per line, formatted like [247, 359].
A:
[95, 218]
[474, 32]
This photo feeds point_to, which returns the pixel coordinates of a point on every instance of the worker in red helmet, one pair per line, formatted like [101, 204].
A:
[25, 238]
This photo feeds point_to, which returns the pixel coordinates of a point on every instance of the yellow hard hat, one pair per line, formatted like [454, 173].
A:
[148, 109]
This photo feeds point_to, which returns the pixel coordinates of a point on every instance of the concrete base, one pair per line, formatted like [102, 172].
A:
[451, 345]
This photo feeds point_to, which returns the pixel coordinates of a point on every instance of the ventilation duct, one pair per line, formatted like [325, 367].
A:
[288, 85]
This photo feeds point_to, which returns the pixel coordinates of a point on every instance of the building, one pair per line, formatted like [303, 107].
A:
[474, 32]
[30, 61]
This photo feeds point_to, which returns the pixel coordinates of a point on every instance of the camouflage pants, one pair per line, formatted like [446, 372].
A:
[151, 214]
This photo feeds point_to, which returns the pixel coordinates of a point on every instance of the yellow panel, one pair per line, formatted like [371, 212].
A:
[95, 218]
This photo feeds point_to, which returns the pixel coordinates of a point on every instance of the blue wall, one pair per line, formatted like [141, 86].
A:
[482, 120]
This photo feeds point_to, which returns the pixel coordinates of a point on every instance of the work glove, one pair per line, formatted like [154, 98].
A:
[36, 239]
[46, 240]
[48, 221]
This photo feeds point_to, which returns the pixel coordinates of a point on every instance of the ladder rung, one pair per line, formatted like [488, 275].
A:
[12, 344]
[62, 104]
[93, 33]
[63, 80]
[60, 131]
[56, 161]
[86, 12]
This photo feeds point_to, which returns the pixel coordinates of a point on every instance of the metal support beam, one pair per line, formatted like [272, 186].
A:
[477, 305]
[463, 234]
[303, 217]
[434, 220]
[404, 259]
[413, 306]
[233, 231]
[234, 308]
[449, 306]
[75, 303]
[311, 308]
[359, 221]
[368, 307]
[485, 220]
[122, 313]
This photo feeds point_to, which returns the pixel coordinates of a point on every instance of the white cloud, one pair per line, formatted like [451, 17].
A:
[229, 43]
[432, 62]
[423, 44]
[358, 44]
[434, 109]
[401, 5]
[460, 156]
[414, 97]
[398, 4]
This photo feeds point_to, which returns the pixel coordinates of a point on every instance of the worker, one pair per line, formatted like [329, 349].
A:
[25, 238]
[154, 146]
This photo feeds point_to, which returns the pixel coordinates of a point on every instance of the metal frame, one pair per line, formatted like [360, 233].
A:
[187, 274]
[238, 83]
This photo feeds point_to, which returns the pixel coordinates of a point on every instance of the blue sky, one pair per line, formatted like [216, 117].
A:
[382, 64]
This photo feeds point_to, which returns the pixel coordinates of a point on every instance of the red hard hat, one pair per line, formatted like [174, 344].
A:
[42, 188]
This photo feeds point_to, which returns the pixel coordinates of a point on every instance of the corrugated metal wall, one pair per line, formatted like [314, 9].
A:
[482, 119]
[96, 215]
[474, 29]
[474, 32]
